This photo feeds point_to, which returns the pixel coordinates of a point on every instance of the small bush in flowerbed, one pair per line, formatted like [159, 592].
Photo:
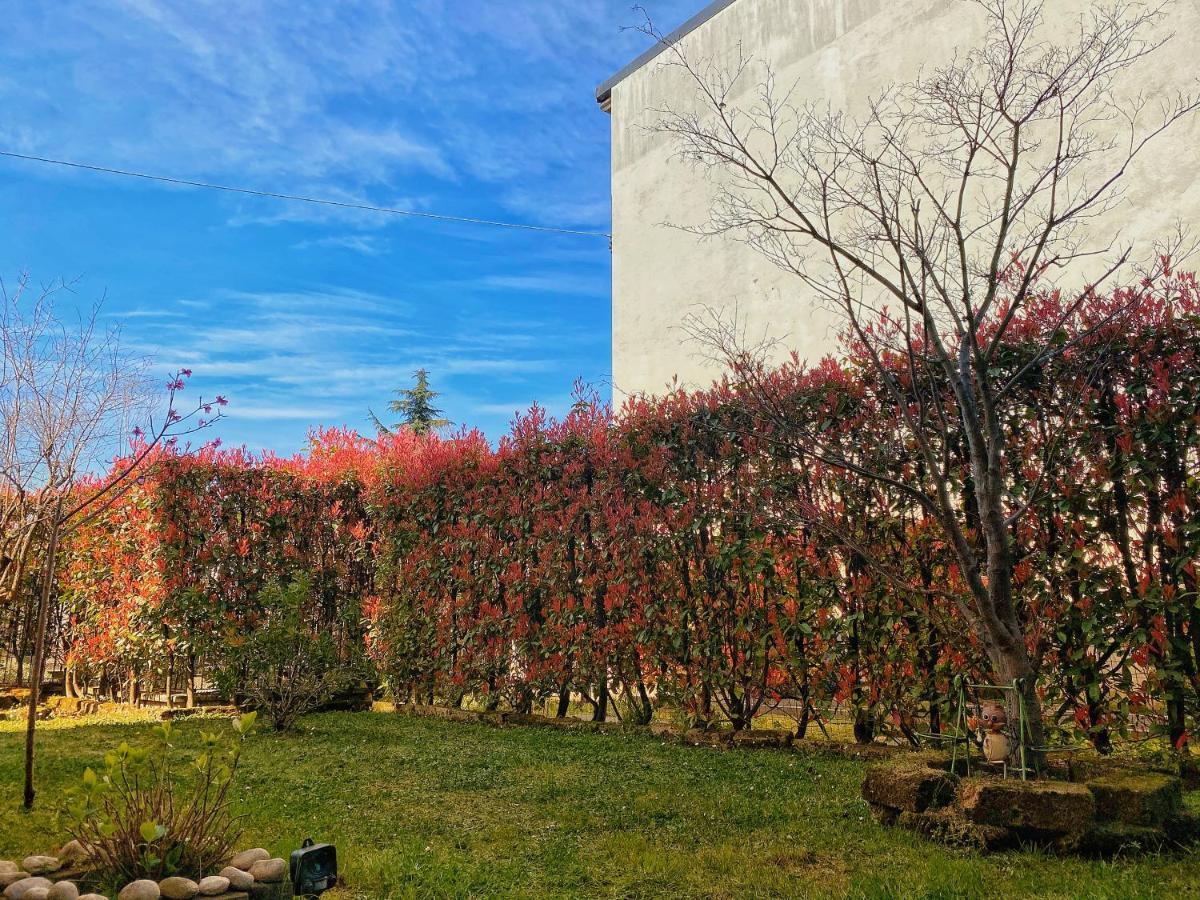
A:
[147, 815]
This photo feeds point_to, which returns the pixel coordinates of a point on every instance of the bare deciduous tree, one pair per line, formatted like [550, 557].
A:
[930, 223]
[69, 396]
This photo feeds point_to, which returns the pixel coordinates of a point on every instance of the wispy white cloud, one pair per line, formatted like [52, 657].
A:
[305, 313]
[366, 244]
[348, 99]
[287, 412]
[548, 283]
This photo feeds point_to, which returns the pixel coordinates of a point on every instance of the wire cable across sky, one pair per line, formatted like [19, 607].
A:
[342, 204]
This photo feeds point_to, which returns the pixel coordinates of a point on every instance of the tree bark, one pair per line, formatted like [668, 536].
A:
[39, 655]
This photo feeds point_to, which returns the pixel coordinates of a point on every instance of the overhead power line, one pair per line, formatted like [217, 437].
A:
[366, 207]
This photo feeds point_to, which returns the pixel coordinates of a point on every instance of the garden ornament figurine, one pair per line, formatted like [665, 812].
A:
[992, 722]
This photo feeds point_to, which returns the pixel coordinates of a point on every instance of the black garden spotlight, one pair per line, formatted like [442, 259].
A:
[314, 869]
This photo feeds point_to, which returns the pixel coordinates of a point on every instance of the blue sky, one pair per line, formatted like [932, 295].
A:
[299, 314]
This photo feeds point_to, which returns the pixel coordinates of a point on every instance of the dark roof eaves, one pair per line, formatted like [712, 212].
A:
[604, 92]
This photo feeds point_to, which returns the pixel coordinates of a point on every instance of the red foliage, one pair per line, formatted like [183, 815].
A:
[683, 552]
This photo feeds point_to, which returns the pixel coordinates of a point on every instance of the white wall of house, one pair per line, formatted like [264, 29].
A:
[840, 51]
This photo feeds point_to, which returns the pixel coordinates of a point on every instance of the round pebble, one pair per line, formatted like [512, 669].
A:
[7, 865]
[247, 858]
[142, 889]
[238, 880]
[20, 889]
[7, 878]
[268, 870]
[93, 897]
[176, 888]
[213, 885]
[64, 890]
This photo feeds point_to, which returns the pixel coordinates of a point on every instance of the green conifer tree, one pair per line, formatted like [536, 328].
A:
[415, 407]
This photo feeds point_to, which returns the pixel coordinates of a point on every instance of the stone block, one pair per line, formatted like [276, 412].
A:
[908, 785]
[1145, 799]
[1046, 806]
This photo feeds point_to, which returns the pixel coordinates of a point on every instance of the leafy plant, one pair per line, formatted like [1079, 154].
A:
[285, 665]
[146, 815]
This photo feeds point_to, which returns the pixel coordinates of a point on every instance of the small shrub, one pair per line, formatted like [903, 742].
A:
[146, 815]
[285, 665]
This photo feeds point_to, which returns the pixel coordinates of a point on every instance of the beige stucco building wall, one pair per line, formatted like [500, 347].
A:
[839, 51]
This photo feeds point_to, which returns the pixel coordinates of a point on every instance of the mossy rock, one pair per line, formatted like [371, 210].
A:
[1054, 807]
[939, 760]
[911, 785]
[1087, 766]
[1136, 799]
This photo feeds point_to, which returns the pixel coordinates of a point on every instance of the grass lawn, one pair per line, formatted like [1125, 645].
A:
[423, 808]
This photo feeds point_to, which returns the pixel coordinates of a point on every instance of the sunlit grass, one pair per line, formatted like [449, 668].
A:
[423, 808]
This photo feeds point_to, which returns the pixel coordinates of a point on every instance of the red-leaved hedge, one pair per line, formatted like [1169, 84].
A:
[687, 552]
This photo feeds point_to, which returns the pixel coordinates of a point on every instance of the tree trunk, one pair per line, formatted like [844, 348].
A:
[601, 714]
[39, 655]
[564, 702]
[864, 725]
[1010, 666]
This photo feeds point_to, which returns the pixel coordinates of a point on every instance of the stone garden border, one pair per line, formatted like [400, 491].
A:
[250, 875]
